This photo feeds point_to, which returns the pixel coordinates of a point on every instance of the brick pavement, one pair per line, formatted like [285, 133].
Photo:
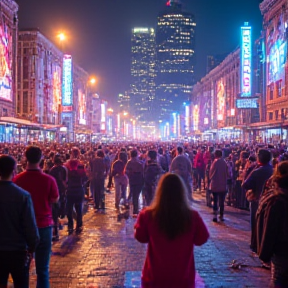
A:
[106, 255]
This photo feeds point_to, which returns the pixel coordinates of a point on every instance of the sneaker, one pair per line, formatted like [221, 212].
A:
[215, 219]
[221, 217]
[79, 230]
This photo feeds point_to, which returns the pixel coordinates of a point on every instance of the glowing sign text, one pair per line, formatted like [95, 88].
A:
[67, 99]
[246, 60]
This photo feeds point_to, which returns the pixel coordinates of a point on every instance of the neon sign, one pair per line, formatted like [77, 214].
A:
[56, 89]
[247, 103]
[5, 64]
[196, 118]
[67, 99]
[220, 100]
[246, 60]
[81, 107]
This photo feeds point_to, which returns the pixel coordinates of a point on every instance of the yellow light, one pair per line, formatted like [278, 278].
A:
[61, 36]
[125, 113]
[92, 81]
[110, 110]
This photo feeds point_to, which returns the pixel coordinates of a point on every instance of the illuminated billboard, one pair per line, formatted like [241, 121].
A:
[103, 116]
[196, 118]
[246, 103]
[5, 64]
[246, 60]
[56, 86]
[220, 100]
[276, 50]
[67, 95]
[81, 107]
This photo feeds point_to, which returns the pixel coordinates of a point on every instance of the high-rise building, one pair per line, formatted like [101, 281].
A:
[142, 88]
[175, 41]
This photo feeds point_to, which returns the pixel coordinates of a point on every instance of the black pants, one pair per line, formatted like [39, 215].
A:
[13, 262]
[98, 190]
[135, 191]
[221, 197]
[77, 202]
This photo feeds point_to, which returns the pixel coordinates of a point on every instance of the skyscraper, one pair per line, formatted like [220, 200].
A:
[175, 41]
[142, 88]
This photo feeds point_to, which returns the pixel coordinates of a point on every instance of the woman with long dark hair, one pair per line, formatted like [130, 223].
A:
[171, 228]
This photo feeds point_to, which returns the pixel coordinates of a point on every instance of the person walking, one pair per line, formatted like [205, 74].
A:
[60, 174]
[19, 235]
[181, 165]
[171, 228]
[120, 178]
[98, 171]
[254, 185]
[135, 172]
[152, 173]
[44, 192]
[218, 175]
[75, 196]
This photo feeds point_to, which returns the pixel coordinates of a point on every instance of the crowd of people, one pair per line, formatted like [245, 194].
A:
[165, 176]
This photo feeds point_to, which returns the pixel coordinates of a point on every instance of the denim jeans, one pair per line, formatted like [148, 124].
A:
[98, 190]
[221, 197]
[13, 262]
[75, 201]
[121, 182]
[42, 257]
[135, 191]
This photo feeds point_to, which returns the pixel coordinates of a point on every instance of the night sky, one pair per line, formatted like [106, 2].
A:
[100, 30]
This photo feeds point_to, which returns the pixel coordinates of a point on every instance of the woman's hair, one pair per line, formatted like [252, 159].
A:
[281, 175]
[170, 207]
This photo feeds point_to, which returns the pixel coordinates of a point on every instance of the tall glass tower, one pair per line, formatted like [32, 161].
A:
[142, 88]
[175, 42]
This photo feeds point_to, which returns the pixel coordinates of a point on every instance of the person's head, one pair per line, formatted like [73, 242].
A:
[33, 155]
[152, 154]
[7, 167]
[75, 152]
[281, 175]
[133, 153]
[264, 156]
[179, 150]
[252, 159]
[100, 153]
[57, 160]
[218, 153]
[122, 156]
[160, 151]
[170, 206]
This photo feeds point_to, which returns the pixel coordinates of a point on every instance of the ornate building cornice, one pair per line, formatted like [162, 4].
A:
[9, 7]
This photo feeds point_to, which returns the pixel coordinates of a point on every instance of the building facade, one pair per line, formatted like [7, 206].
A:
[8, 72]
[143, 73]
[274, 122]
[175, 44]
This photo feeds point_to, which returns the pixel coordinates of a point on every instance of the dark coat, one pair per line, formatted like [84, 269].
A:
[272, 225]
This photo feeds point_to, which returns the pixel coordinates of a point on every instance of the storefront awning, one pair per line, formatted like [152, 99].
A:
[12, 120]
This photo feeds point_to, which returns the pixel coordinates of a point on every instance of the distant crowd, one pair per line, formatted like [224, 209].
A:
[165, 175]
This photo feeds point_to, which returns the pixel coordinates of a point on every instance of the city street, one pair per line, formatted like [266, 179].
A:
[107, 255]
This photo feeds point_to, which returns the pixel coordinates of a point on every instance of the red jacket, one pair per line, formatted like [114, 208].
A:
[169, 263]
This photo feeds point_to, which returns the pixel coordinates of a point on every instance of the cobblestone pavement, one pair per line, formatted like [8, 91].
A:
[106, 254]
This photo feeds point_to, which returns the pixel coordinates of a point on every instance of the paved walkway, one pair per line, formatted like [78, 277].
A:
[107, 255]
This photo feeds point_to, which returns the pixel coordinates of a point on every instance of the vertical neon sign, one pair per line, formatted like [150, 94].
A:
[187, 119]
[246, 60]
[67, 99]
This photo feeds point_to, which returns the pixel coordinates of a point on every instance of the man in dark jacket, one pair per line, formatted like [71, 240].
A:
[255, 182]
[152, 174]
[19, 234]
[134, 170]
